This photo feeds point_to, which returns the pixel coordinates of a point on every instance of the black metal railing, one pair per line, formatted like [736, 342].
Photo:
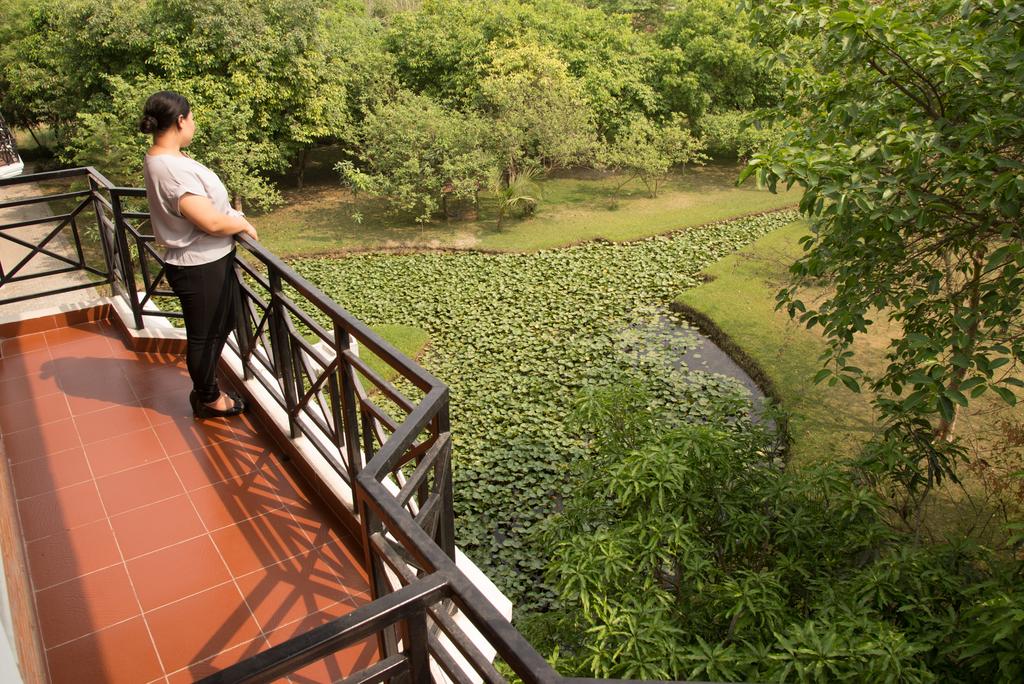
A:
[63, 229]
[390, 440]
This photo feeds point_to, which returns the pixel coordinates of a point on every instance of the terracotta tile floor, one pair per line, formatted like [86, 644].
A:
[160, 548]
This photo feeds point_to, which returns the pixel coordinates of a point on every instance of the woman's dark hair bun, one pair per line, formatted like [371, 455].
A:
[148, 124]
[162, 110]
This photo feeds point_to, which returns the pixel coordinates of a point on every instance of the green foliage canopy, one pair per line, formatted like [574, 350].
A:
[649, 151]
[556, 79]
[265, 78]
[709, 61]
[446, 49]
[537, 110]
[909, 140]
[420, 155]
[687, 552]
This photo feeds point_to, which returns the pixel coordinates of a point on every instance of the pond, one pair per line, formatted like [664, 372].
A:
[517, 336]
[697, 352]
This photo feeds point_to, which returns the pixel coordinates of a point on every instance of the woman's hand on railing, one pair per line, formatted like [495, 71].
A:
[250, 231]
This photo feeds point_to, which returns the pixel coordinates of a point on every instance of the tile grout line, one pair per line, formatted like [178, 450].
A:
[349, 599]
[83, 447]
[234, 577]
[150, 503]
[19, 499]
[261, 637]
[97, 631]
[313, 549]
[341, 582]
[90, 522]
[4, 404]
[126, 558]
[143, 612]
[31, 373]
[43, 395]
[79, 576]
[71, 416]
[4, 354]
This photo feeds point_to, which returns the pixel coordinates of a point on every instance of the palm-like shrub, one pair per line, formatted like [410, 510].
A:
[520, 196]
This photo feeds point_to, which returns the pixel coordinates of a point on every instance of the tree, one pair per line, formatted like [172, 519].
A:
[420, 156]
[907, 135]
[224, 137]
[517, 193]
[538, 110]
[710, 62]
[645, 14]
[648, 151]
[267, 79]
[344, 72]
[736, 134]
[17, 26]
[445, 50]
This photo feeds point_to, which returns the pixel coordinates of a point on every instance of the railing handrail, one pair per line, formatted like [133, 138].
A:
[404, 605]
[377, 344]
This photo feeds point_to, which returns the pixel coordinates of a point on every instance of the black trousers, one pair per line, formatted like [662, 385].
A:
[209, 297]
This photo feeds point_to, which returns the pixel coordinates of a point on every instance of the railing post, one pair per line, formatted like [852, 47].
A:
[387, 640]
[97, 207]
[279, 338]
[296, 369]
[416, 648]
[242, 328]
[348, 411]
[446, 519]
[367, 423]
[127, 268]
[349, 403]
[242, 333]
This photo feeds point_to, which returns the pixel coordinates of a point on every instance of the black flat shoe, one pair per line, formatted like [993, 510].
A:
[201, 410]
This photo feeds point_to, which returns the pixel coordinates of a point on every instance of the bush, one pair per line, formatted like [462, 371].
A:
[736, 135]
[688, 551]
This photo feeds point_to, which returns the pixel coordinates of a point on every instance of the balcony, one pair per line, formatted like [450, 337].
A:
[310, 541]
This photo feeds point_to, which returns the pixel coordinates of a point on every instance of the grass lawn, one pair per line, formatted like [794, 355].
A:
[741, 300]
[581, 208]
[577, 206]
[408, 339]
[832, 422]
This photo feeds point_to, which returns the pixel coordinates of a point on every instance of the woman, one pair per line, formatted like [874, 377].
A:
[192, 217]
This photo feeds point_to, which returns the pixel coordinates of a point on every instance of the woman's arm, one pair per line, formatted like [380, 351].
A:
[200, 211]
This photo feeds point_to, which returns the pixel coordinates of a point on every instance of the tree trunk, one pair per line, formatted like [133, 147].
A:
[300, 172]
[622, 185]
[33, 134]
[236, 202]
[945, 428]
[509, 172]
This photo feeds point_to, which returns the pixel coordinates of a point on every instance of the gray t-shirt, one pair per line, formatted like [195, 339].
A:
[168, 179]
